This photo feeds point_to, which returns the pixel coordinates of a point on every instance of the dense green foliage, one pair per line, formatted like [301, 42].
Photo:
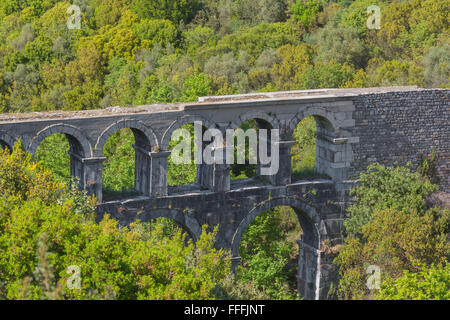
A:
[269, 251]
[386, 187]
[430, 283]
[392, 228]
[135, 52]
[46, 226]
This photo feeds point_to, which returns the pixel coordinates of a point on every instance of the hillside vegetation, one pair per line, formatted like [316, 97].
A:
[130, 52]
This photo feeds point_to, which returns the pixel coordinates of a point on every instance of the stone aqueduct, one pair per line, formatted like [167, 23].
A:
[355, 127]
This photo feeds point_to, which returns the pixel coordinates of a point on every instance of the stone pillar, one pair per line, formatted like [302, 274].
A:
[77, 167]
[283, 175]
[215, 176]
[220, 171]
[92, 176]
[89, 173]
[333, 157]
[142, 170]
[235, 261]
[158, 176]
[308, 268]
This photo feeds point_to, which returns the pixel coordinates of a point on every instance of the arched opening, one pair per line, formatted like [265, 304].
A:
[4, 145]
[303, 151]
[247, 143]
[168, 228]
[6, 141]
[124, 153]
[315, 149]
[189, 167]
[182, 163]
[120, 177]
[171, 220]
[58, 152]
[269, 253]
[312, 232]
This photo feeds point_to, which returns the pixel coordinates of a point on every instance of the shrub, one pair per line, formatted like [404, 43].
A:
[430, 283]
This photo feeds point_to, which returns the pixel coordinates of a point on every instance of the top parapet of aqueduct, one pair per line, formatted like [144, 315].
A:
[318, 94]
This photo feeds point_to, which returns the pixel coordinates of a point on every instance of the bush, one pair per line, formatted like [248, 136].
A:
[391, 228]
[384, 187]
[430, 283]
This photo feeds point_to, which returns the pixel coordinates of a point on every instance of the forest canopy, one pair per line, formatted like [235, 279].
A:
[131, 52]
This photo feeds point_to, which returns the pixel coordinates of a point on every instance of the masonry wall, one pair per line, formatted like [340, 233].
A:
[402, 127]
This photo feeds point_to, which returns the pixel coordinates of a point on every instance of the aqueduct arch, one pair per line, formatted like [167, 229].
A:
[6, 141]
[186, 222]
[145, 142]
[79, 143]
[313, 229]
[80, 147]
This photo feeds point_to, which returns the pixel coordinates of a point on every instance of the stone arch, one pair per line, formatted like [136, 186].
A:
[143, 133]
[310, 221]
[314, 231]
[333, 153]
[178, 123]
[263, 121]
[6, 140]
[256, 115]
[79, 143]
[318, 113]
[188, 223]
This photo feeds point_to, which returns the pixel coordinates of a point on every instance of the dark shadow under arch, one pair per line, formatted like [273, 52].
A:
[6, 140]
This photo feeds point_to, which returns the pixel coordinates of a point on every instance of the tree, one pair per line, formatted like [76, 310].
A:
[394, 72]
[386, 187]
[174, 10]
[121, 82]
[325, 75]
[356, 16]
[198, 37]
[266, 249]
[342, 45]
[195, 86]
[394, 241]
[152, 32]
[23, 179]
[294, 60]
[109, 12]
[306, 11]
[391, 227]
[259, 38]
[233, 70]
[253, 12]
[437, 66]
